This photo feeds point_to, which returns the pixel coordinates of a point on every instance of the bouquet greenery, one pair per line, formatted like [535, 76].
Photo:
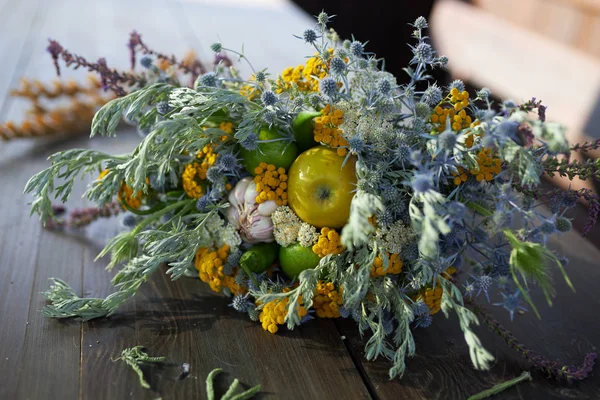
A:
[330, 190]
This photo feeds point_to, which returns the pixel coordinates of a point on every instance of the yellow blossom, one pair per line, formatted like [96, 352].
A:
[327, 300]
[329, 242]
[273, 313]
[271, 184]
[326, 129]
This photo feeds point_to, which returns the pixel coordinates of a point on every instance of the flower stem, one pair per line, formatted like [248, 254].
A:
[525, 376]
[551, 368]
[159, 214]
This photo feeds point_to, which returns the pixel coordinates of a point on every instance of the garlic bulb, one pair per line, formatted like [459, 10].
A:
[252, 220]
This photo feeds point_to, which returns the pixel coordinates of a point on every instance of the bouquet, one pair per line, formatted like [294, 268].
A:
[332, 189]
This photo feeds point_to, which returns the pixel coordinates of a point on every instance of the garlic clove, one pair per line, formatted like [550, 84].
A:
[266, 209]
[237, 195]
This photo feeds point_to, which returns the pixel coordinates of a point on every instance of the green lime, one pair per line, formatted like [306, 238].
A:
[281, 153]
[303, 127]
[296, 258]
[259, 257]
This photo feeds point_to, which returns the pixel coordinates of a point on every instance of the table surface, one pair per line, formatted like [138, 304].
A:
[183, 320]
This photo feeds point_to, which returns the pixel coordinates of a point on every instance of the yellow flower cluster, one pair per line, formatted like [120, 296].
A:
[306, 77]
[195, 173]
[488, 166]
[209, 264]
[227, 127]
[394, 266]
[327, 131]
[250, 91]
[470, 139]
[458, 116]
[271, 184]
[273, 313]
[433, 296]
[125, 194]
[327, 300]
[329, 242]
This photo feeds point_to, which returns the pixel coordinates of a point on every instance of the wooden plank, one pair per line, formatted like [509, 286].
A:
[187, 322]
[20, 240]
[567, 331]
[104, 339]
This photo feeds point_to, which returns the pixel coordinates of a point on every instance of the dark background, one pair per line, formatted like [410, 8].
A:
[385, 28]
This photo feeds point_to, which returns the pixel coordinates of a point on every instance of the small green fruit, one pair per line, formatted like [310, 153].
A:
[281, 153]
[303, 127]
[259, 257]
[296, 258]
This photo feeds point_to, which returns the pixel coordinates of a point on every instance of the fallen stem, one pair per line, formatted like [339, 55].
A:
[525, 376]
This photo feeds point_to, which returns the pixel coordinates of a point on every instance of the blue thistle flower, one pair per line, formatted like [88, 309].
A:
[547, 227]
[386, 217]
[483, 93]
[250, 142]
[298, 102]
[363, 64]
[260, 77]
[146, 61]
[356, 145]
[456, 210]
[269, 117]
[209, 79]
[269, 98]
[307, 317]
[216, 47]
[384, 87]
[323, 19]
[129, 220]
[422, 182]
[563, 224]
[419, 308]
[410, 252]
[344, 312]
[214, 174]
[227, 162]
[403, 153]
[484, 284]
[337, 66]
[447, 140]
[162, 107]
[227, 269]
[240, 303]
[511, 303]
[254, 313]
[357, 48]
[423, 52]
[346, 44]
[310, 36]
[355, 314]
[442, 61]
[203, 203]
[432, 95]
[328, 86]
[458, 84]
[423, 321]
[420, 23]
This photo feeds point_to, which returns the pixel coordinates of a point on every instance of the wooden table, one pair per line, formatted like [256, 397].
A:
[183, 320]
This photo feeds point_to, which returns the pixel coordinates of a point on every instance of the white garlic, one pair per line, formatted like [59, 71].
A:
[252, 220]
